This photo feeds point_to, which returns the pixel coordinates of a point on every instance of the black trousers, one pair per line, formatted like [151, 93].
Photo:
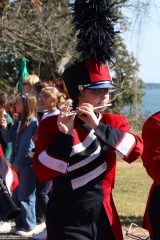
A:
[73, 224]
[154, 213]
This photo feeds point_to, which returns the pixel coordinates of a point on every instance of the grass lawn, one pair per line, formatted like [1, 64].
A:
[131, 191]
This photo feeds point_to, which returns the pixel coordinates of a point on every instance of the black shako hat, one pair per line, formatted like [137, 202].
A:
[94, 20]
[87, 74]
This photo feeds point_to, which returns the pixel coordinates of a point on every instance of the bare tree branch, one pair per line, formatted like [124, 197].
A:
[36, 34]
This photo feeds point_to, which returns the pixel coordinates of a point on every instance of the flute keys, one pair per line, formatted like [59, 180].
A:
[67, 113]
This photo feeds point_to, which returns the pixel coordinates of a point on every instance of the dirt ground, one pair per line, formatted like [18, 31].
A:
[12, 237]
[132, 233]
[136, 233]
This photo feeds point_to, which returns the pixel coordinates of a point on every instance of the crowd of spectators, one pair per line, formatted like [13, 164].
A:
[19, 118]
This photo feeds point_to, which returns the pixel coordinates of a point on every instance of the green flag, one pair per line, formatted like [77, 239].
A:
[22, 73]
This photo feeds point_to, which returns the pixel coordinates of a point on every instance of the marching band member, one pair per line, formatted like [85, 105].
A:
[77, 150]
[151, 161]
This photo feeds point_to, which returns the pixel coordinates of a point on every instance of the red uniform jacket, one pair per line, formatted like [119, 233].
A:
[7, 173]
[54, 150]
[151, 158]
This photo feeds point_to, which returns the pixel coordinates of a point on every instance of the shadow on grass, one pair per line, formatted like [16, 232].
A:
[127, 220]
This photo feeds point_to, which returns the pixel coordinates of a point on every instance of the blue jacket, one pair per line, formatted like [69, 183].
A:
[22, 142]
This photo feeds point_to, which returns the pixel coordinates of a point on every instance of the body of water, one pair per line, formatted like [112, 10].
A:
[151, 101]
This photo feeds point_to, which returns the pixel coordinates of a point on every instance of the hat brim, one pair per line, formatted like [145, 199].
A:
[99, 85]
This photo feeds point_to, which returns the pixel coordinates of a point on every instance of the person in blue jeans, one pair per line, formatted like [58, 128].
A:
[22, 135]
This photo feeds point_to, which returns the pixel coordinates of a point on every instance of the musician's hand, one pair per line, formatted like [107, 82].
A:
[86, 114]
[65, 123]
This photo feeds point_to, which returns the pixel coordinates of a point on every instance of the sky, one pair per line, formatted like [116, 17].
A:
[145, 46]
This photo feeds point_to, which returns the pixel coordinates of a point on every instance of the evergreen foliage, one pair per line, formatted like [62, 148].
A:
[44, 35]
[128, 86]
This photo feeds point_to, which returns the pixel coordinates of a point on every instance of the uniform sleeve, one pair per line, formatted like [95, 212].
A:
[7, 173]
[125, 144]
[151, 153]
[52, 152]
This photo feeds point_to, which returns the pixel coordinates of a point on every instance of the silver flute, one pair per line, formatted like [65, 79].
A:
[94, 108]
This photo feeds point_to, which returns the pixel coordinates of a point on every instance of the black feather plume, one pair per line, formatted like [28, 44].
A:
[95, 20]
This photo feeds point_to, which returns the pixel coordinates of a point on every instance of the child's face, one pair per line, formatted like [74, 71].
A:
[26, 87]
[19, 105]
[5, 104]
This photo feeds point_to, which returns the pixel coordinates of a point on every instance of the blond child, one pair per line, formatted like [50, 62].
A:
[52, 101]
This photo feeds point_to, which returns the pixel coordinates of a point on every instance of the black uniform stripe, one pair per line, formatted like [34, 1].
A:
[87, 168]
[88, 177]
[3, 168]
[111, 136]
[84, 154]
[61, 146]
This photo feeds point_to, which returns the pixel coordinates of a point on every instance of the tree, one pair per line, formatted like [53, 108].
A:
[128, 86]
[43, 34]
[44, 37]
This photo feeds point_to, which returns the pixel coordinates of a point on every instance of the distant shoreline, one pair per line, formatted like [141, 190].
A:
[152, 85]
